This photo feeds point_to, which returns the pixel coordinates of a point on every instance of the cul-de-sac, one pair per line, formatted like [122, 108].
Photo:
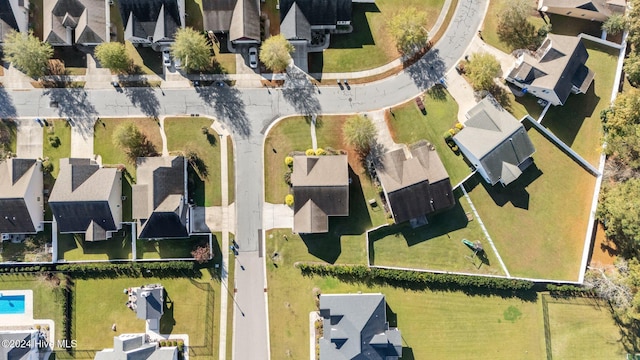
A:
[319, 179]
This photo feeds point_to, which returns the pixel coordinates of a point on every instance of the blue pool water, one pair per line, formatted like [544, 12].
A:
[12, 304]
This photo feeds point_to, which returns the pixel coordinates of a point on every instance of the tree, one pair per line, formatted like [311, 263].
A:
[275, 53]
[632, 68]
[113, 55]
[633, 23]
[134, 142]
[407, 28]
[622, 128]
[619, 211]
[514, 28]
[27, 53]
[201, 253]
[360, 133]
[615, 24]
[191, 48]
[481, 70]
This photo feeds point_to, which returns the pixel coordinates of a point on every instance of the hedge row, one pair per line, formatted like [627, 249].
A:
[146, 269]
[21, 269]
[67, 310]
[569, 290]
[408, 278]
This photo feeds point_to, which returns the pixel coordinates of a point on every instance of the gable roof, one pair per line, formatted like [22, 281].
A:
[134, 347]
[604, 7]
[15, 176]
[8, 20]
[80, 198]
[157, 18]
[319, 12]
[320, 189]
[558, 65]
[216, 14]
[492, 135]
[356, 327]
[149, 302]
[15, 352]
[87, 17]
[245, 21]
[159, 197]
[295, 25]
[415, 182]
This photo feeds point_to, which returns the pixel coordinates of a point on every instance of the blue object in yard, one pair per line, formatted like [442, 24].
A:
[525, 90]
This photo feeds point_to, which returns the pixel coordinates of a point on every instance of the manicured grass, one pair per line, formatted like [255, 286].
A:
[34, 248]
[186, 134]
[290, 134]
[48, 300]
[188, 309]
[582, 328]
[170, 248]
[436, 246]
[61, 129]
[369, 45]
[74, 247]
[490, 25]
[111, 154]
[551, 199]
[458, 325]
[577, 123]
[408, 125]
[521, 106]
[149, 62]
[231, 170]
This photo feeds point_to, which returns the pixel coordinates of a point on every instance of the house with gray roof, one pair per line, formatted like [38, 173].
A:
[592, 10]
[554, 71]
[19, 345]
[137, 347]
[152, 22]
[21, 197]
[355, 327]
[87, 199]
[71, 22]
[239, 18]
[14, 16]
[320, 189]
[148, 303]
[495, 143]
[160, 198]
[415, 183]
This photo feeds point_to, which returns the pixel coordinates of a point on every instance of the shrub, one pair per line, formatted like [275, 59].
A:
[320, 151]
[288, 200]
[447, 135]
[54, 141]
[287, 178]
[310, 152]
[459, 126]
[288, 161]
[452, 132]
[205, 130]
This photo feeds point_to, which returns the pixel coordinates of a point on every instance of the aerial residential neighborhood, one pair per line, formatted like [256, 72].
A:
[319, 179]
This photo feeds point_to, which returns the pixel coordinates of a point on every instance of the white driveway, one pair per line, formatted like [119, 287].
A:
[29, 142]
[277, 216]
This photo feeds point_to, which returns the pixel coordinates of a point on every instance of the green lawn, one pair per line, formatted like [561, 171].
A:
[553, 196]
[582, 328]
[490, 25]
[186, 134]
[369, 45]
[61, 129]
[408, 125]
[231, 167]
[35, 248]
[189, 309]
[290, 134]
[103, 144]
[437, 246]
[169, 248]
[148, 61]
[48, 299]
[577, 123]
[74, 247]
[435, 325]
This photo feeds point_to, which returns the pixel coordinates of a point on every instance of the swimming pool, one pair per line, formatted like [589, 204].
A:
[11, 304]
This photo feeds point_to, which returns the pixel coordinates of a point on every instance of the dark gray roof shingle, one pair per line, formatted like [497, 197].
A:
[145, 14]
[15, 199]
[319, 12]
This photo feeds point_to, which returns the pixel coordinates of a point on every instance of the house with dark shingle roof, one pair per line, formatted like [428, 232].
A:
[14, 16]
[415, 182]
[87, 199]
[321, 14]
[495, 143]
[19, 345]
[554, 71]
[592, 10]
[240, 18]
[71, 22]
[355, 327]
[21, 197]
[320, 189]
[136, 347]
[152, 22]
[160, 198]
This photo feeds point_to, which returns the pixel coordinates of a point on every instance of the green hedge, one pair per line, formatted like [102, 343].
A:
[412, 279]
[146, 269]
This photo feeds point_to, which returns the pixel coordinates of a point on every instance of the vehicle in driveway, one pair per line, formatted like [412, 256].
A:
[253, 57]
[177, 64]
[166, 58]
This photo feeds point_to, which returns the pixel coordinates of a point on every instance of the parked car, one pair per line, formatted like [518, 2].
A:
[253, 57]
[166, 58]
[177, 64]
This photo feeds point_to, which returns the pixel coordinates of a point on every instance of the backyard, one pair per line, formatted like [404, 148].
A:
[186, 135]
[111, 154]
[171, 248]
[34, 248]
[73, 247]
[56, 144]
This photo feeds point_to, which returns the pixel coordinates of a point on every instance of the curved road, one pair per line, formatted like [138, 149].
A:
[247, 113]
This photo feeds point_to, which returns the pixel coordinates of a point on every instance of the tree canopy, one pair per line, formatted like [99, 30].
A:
[135, 143]
[622, 128]
[619, 211]
[360, 133]
[192, 49]
[275, 53]
[407, 28]
[113, 55]
[632, 68]
[615, 24]
[633, 13]
[27, 53]
[481, 70]
[514, 28]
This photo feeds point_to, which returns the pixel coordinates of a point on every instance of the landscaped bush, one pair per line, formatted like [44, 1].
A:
[146, 269]
[320, 151]
[310, 152]
[54, 141]
[459, 126]
[447, 135]
[288, 200]
[287, 178]
[288, 161]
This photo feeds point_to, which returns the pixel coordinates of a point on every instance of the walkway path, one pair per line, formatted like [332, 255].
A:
[163, 135]
[277, 216]
[82, 139]
[314, 138]
[384, 135]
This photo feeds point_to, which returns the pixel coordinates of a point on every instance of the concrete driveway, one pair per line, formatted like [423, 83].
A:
[29, 142]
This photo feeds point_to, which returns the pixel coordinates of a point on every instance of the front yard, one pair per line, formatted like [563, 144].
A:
[56, 143]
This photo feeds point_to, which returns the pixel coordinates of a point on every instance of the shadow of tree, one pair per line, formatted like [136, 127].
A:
[142, 96]
[298, 90]
[73, 104]
[428, 71]
[7, 109]
[228, 106]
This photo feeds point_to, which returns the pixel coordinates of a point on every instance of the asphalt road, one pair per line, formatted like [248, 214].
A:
[247, 113]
